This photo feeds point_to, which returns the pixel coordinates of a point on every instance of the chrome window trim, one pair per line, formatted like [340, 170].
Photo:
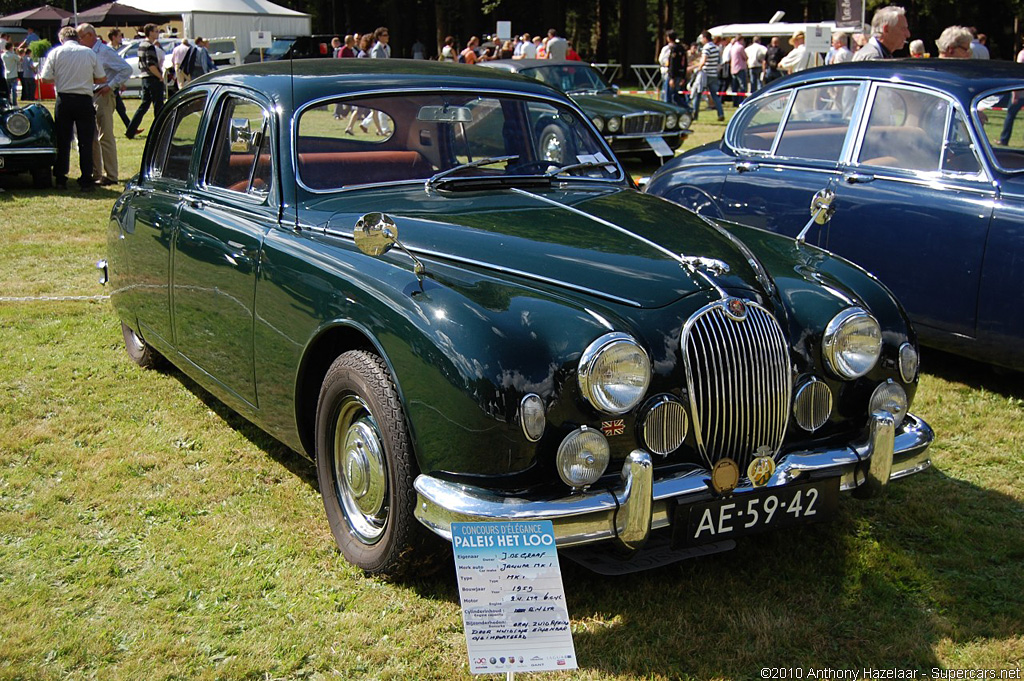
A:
[219, 99]
[851, 125]
[320, 101]
[983, 176]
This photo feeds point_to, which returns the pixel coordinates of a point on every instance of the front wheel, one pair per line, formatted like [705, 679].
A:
[365, 466]
[555, 145]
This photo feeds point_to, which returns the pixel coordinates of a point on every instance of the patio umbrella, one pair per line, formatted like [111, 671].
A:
[117, 14]
[37, 16]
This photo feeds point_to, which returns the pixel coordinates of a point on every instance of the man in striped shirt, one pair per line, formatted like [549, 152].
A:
[710, 58]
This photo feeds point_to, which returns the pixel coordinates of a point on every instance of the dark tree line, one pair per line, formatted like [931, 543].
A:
[623, 31]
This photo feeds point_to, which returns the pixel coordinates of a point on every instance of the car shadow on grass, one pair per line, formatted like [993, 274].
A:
[977, 375]
[292, 461]
[933, 565]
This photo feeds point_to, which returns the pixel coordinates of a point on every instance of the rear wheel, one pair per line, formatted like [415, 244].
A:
[365, 466]
[139, 350]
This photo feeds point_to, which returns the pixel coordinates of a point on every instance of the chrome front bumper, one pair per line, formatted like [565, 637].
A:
[641, 504]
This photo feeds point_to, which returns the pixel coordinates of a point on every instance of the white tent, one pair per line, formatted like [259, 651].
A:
[224, 18]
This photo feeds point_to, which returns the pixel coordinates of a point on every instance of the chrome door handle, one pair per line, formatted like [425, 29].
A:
[194, 203]
[858, 178]
[746, 166]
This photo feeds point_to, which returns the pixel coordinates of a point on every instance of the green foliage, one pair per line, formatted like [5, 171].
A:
[39, 48]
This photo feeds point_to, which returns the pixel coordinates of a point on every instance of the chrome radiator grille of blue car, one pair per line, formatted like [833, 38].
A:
[642, 123]
[739, 380]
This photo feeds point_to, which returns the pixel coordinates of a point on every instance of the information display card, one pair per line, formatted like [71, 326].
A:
[513, 603]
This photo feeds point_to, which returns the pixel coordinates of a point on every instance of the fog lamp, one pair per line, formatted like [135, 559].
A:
[582, 457]
[891, 397]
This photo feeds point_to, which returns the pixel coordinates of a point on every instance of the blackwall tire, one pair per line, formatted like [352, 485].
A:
[365, 467]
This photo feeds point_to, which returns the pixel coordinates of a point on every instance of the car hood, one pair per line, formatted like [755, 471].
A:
[617, 244]
[621, 105]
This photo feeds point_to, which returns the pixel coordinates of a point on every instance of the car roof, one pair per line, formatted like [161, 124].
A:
[963, 78]
[314, 78]
[518, 64]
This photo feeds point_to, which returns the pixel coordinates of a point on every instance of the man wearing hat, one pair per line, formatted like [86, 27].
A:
[799, 58]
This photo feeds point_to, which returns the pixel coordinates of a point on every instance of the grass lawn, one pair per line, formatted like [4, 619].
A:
[146, 532]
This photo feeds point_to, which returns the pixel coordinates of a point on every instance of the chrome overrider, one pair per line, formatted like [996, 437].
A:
[640, 503]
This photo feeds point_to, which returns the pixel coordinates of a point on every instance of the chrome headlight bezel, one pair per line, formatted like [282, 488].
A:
[532, 417]
[597, 391]
[854, 324]
[18, 124]
[910, 362]
[598, 123]
[671, 120]
[614, 124]
[685, 121]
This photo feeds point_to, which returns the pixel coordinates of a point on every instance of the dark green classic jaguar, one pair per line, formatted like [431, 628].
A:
[375, 263]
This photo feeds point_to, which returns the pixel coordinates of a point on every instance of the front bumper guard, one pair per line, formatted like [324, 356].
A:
[629, 512]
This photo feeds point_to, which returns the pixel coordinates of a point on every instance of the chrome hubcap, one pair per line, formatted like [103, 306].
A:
[551, 148]
[360, 470]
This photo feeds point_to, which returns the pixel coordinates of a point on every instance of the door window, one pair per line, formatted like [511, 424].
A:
[906, 130]
[758, 129]
[818, 122]
[240, 158]
[177, 138]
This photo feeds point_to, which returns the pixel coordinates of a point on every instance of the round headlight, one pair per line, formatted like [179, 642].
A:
[670, 121]
[582, 457]
[685, 120]
[614, 373]
[891, 397]
[18, 124]
[852, 343]
[909, 362]
[614, 123]
[531, 415]
[598, 123]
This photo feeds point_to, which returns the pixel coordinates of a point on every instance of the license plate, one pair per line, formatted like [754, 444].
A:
[757, 511]
[660, 146]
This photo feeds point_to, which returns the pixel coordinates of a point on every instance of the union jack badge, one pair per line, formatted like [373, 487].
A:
[616, 427]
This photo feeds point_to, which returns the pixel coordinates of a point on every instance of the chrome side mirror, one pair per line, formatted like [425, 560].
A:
[241, 137]
[376, 233]
[821, 212]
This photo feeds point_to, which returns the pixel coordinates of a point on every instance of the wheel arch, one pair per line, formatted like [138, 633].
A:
[331, 341]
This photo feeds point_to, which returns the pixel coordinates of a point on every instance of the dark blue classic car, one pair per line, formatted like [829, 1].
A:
[456, 328]
[928, 185]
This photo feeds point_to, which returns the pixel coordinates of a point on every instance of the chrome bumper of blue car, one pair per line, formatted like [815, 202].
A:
[640, 504]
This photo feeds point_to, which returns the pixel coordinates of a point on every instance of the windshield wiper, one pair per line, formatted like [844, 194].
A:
[578, 166]
[433, 179]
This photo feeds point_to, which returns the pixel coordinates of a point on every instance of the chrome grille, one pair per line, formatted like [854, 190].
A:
[664, 426]
[643, 123]
[739, 380]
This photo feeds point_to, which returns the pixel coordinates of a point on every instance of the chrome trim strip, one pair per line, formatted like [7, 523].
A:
[515, 94]
[615, 513]
[447, 257]
[50, 151]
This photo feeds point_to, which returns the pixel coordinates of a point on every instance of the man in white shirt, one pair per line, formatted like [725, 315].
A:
[529, 47]
[799, 58]
[177, 58]
[755, 62]
[840, 52]
[73, 69]
[117, 72]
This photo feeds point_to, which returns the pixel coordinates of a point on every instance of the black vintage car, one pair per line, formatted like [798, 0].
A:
[27, 142]
[456, 328]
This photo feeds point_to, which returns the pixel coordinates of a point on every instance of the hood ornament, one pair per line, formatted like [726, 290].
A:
[697, 262]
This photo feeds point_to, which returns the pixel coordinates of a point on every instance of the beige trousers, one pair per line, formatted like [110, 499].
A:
[104, 147]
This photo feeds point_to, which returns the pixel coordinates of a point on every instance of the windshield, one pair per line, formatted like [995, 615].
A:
[419, 136]
[997, 116]
[569, 77]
